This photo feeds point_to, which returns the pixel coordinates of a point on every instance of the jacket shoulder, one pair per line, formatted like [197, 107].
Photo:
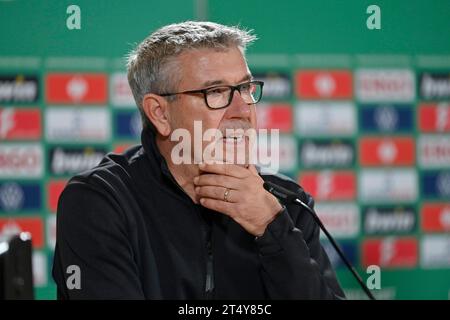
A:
[112, 168]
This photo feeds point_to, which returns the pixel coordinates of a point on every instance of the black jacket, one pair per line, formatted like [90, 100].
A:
[135, 234]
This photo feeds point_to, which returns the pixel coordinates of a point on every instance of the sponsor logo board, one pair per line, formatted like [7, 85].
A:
[340, 219]
[375, 151]
[390, 85]
[389, 220]
[388, 185]
[434, 86]
[20, 124]
[386, 118]
[324, 84]
[434, 151]
[390, 252]
[434, 117]
[19, 89]
[435, 251]
[15, 196]
[76, 88]
[317, 119]
[436, 184]
[120, 91]
[70, 161]
[435, 217]
[276, 85]
[23, 160]
[275, 116]
[128, 125]
[330, 153]
[77, 125]
[329, 185]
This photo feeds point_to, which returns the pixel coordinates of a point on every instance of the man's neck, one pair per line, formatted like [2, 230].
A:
[183, 173]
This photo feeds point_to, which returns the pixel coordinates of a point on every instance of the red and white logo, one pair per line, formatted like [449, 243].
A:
[388, 185]
[341, 219]
[275, 116]
[34, 226]
[385, 85]
[434, 117]
[21, 160]
[435, 217]
[18, 124]
[55, 188]
[329, 185]
[390, 252]
[434, 151]
[71, 88]
[324, 84]
[121, 95]
[313, 119]
[387, 151]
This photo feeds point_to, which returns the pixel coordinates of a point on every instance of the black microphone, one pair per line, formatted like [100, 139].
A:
[288, 196]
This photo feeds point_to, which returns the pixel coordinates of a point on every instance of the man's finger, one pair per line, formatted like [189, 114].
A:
[219, 193]
[252, 169]
[217, 205]
[217, 180]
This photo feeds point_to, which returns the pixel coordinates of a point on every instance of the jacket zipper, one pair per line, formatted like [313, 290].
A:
[209, 285]
[209, 280]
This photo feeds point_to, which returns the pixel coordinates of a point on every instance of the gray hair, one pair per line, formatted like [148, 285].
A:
[151, 66]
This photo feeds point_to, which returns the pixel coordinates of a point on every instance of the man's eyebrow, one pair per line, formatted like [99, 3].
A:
[210, 83]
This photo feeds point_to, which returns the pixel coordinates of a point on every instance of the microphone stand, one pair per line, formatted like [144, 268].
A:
[291, 197]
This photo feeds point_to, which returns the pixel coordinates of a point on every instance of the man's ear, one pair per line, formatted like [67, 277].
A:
[156, 109]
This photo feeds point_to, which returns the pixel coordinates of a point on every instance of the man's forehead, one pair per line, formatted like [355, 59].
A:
[208, 67]
[219, 81]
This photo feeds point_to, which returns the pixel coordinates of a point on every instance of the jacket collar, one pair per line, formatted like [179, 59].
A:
[148, 140]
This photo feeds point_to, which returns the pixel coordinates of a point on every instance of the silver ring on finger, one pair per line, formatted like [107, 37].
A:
[226, 194]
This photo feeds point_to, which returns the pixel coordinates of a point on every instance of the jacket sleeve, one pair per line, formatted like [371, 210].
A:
[294, 264]
[92, 235]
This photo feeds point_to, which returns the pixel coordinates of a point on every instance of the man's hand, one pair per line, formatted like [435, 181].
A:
[246, 201]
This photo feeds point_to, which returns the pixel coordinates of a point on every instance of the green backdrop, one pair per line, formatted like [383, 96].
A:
[293, 35]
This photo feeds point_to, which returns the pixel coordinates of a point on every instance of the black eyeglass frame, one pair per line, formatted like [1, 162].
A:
[230, 99]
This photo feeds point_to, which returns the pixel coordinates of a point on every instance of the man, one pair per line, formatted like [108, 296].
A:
[142, 225]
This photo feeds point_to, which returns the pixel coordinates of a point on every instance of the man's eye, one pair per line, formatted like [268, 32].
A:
[245, 87]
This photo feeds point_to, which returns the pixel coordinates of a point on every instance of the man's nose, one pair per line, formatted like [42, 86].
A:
[238, 108]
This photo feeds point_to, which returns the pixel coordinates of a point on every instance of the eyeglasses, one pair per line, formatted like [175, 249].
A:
[219, 97]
